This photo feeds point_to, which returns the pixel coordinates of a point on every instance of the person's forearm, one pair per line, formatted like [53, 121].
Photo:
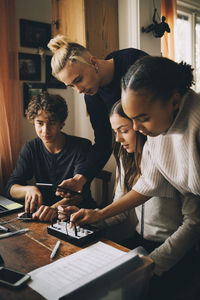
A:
[181, 241]
[18, 191]
[174, 248]
[128, 201]
[90, 216]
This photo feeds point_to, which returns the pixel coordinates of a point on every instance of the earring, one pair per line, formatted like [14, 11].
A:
[97, 69]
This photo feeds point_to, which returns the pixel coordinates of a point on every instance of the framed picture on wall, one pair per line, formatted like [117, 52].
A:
[30, 90]
[51, 81]
[29, 66]
[34, 34]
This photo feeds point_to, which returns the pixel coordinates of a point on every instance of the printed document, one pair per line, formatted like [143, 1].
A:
[71, 272]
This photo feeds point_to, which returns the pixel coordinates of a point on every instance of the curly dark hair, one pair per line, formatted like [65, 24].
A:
[54, 105]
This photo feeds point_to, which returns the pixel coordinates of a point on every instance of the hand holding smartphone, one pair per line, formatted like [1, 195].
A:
[50, 185]
[12, 278]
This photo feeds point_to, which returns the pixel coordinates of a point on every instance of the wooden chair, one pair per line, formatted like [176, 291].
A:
[105, 176]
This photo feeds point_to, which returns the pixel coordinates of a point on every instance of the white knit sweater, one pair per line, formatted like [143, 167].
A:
[174, 157]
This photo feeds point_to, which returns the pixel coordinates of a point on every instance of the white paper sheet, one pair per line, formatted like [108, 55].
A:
[66, 274]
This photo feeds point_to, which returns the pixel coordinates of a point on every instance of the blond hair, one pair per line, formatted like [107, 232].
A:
[65, 51]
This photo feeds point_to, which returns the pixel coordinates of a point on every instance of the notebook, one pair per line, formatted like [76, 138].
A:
[8, 206]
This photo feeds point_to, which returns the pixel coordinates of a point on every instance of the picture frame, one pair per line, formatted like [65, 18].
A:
[31, 89]
[34, 34]
[29, 66]
[51, 81]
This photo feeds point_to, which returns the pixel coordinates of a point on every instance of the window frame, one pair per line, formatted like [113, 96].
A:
[192, 10]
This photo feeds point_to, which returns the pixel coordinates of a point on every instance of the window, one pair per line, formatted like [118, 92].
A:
[197, 51]
[187, 38]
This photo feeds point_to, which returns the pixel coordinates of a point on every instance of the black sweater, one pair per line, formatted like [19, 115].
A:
[36, 162]
[98, 107]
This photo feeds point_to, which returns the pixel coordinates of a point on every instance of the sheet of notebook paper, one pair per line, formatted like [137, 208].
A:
[71, 272]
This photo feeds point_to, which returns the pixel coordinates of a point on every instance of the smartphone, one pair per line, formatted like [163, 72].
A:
[50, 185]
[12, 278]
[26, 216]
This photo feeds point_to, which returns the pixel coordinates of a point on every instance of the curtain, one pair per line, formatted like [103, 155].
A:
[169, 10]
[10, 98]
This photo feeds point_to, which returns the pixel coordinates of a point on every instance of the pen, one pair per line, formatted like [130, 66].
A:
[7, 234]
[4, 229]
[53, 253]
[9, 221]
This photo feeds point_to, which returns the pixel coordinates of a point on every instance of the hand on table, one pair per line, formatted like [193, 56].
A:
[64, 211]
[33, 199]
[45, 213]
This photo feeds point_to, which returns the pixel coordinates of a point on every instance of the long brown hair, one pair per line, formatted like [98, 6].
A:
[130, 161]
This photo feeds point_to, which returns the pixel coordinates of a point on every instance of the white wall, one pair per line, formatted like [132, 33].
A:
[133, 14]
[147, 41]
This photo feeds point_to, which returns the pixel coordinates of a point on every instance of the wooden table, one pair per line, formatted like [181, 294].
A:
[32, 250]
